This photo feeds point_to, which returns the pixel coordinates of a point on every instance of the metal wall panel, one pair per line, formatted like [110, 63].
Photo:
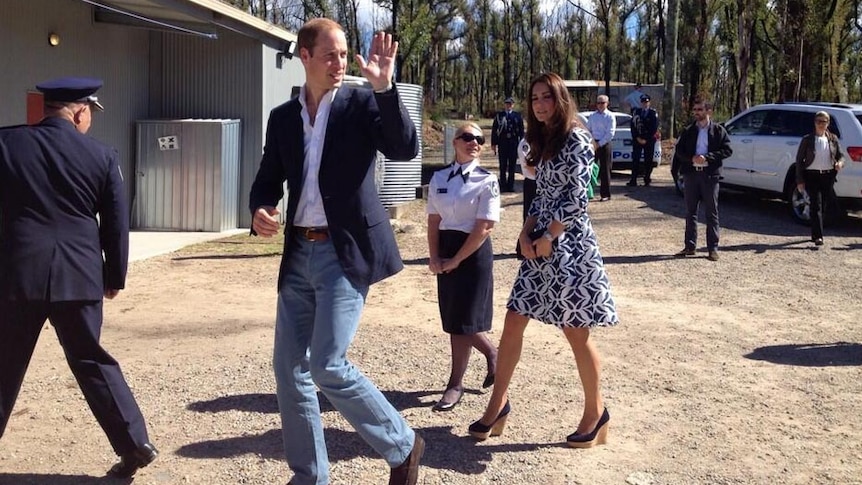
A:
[109, 52]
[234, 78]
[188, 174]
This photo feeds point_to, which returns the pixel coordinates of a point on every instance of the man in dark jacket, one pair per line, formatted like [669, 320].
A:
[701, 150]
[337, 243]
[62, 205]
[644, 128]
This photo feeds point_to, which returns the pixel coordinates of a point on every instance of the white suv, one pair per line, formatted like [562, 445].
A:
[765, 139]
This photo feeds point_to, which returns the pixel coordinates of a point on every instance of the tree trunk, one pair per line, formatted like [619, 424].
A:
[668, 122]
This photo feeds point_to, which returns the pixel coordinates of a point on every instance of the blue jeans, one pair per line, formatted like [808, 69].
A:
[318, 314]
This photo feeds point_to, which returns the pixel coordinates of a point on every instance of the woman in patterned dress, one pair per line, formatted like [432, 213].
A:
[562, 280]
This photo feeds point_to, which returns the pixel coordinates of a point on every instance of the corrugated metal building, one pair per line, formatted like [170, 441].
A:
[160, 60]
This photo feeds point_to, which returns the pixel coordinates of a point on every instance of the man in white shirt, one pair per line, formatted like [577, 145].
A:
[603, 125]
[337, 243]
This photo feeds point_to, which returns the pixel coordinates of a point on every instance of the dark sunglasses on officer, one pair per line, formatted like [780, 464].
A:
[468, 137]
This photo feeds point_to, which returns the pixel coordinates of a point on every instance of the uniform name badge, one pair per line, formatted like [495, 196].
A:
[442, 190]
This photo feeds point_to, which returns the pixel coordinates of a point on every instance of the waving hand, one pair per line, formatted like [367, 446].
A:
[381, 61]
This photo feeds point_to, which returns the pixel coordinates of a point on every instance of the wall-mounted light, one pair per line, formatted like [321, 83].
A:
[53, 39]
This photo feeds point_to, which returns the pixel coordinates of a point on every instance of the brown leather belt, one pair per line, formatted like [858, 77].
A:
[316, 234]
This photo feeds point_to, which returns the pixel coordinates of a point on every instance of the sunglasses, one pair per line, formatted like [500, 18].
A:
[468, 137]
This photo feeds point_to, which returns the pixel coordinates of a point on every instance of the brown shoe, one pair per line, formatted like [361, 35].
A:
[407, 473]
[713, 255]
[685, 252]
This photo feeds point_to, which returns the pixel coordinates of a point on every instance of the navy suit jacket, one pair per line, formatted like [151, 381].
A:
[361, 122]
[53, 183]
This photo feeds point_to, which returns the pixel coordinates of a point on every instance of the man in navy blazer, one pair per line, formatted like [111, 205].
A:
[62, 205]
[337, 242]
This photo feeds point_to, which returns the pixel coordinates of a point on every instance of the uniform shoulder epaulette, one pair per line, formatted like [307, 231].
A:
[481, 170]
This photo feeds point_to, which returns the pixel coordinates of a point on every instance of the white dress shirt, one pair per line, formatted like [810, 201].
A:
[309, 210]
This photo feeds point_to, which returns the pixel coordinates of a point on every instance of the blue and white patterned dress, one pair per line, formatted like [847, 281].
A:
[570, 288]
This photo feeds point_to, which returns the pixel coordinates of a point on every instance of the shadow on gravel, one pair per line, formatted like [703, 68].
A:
[267, 403]
[444, 449]
[738, 211]
[56, 479]
[424, 261]
[810, 355]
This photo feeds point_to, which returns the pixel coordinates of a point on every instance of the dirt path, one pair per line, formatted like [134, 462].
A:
[741, 371]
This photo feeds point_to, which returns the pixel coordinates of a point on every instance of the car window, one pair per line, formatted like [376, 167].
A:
[833, 127]
[748, 124]
[623, 120]
[782, 122]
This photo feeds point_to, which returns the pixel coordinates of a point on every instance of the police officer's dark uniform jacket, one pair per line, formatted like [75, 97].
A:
[54, 182]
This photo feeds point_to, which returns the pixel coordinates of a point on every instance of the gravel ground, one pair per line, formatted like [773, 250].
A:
[742, 371]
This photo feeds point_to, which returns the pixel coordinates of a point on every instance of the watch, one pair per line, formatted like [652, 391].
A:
[547, 235]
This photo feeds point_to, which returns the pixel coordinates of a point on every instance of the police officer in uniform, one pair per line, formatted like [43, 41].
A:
[644, 129]
[463, 206]
[54, 183]
[507, 131]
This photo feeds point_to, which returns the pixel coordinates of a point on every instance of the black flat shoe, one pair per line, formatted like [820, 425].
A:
[481, 432]
[598, 436]
[489, 381]
[447, 406]
[131, 462]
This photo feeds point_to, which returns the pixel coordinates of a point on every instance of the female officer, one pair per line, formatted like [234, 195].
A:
[463, 205]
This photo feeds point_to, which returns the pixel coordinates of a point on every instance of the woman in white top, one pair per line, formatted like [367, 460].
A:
[818, 161]
[463, 206]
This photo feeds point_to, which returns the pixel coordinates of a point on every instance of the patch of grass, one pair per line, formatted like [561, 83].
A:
[238, 245]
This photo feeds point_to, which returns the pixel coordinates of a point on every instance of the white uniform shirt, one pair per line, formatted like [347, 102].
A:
[460, 200]
[309, 210]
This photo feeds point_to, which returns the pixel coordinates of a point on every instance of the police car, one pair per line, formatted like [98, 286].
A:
[621, 153]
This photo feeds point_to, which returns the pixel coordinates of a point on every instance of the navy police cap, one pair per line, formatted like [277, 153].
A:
[72, 90]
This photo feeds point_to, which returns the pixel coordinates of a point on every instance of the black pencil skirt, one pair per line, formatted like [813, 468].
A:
[466, 295]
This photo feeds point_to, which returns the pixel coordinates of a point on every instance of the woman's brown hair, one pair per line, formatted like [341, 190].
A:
[548, 138]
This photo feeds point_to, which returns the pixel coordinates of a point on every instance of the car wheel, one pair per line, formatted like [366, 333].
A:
[800, 205]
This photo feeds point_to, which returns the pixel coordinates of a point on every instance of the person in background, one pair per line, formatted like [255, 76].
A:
[818, 160]
[644, 129]
[463, 206]
[337, 243]
[633, 100]
[603, 125]
[506, 132]
[702, 148]
[64, 246]
[562, 281]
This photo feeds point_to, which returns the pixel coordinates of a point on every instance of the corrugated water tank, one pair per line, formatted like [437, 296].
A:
[187, 175]
[401, 177]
